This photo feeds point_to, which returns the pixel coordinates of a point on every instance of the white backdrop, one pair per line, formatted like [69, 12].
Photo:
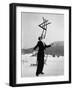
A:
[4, 45]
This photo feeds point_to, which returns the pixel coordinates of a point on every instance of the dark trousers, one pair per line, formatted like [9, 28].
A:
[40, 65]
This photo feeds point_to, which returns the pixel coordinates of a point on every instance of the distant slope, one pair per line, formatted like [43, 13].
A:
[57, 49]
[27, 51]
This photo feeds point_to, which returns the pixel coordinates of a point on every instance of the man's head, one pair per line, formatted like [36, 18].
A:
[39, 38]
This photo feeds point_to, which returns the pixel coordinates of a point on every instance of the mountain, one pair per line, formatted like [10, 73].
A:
[57, 49]
[27, 51]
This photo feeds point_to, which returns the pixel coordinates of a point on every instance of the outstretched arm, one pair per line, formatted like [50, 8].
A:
[49, 45]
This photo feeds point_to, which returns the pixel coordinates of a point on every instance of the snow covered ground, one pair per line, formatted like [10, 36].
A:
[54, 66]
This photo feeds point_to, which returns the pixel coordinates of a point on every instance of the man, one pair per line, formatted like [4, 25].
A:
[40, 55]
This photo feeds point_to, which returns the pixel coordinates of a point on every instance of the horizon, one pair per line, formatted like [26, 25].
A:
[52, 42]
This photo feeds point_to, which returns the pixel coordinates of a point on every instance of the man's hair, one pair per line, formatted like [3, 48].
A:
[39, 38]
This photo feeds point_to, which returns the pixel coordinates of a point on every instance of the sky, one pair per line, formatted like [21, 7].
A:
[31, 31]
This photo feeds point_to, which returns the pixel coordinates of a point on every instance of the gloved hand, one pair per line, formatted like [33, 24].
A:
[52, 44]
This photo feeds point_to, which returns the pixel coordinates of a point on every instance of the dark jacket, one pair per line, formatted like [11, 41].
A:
[41, 46]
